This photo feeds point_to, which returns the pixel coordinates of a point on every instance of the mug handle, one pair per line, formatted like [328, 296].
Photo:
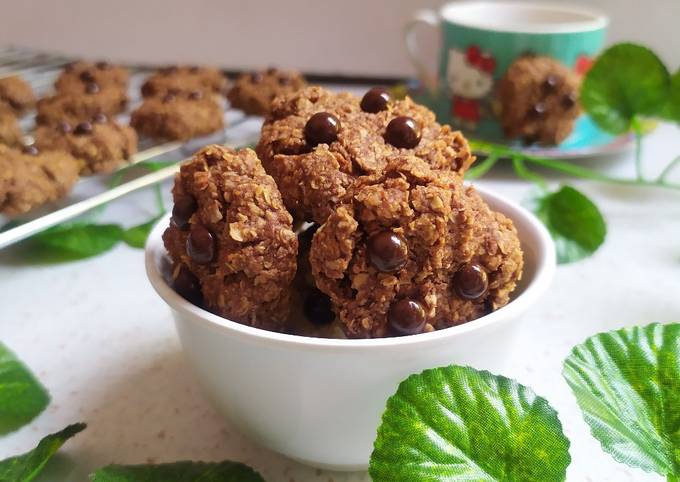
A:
[432, 19]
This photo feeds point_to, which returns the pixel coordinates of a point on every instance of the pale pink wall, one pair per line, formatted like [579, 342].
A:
[352, 36]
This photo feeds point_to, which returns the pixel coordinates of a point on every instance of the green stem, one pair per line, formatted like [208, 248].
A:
[638, 153]
[159, 199]
[569, 167]
[664, 174]
[524, 173]
[482, 168]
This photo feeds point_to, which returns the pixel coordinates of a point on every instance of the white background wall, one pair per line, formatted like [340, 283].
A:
[349, 36]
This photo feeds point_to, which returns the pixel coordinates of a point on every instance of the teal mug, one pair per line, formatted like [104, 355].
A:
[480, 39]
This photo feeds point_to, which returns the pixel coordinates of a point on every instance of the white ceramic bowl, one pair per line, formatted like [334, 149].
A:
[319, 401]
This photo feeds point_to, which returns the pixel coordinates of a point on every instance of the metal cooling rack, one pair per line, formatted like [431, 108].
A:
[41, 70]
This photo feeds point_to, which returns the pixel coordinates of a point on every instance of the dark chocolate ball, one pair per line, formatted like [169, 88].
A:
[375, 100]
[569, 100]
[86, 76]
[387, 251]
[83, 129]
[322, 128]
[30, 150]
[200, 244]
[91, 88]
[256, 77]
[471, 282]
[537, 110]
[406, 317]
[100, 118]
[188, 286]
[169, 97]
[65, 127]
[103, 65]
[196, 95]
[184, 208]
[403, 132]
[551, 83]
[318, 308]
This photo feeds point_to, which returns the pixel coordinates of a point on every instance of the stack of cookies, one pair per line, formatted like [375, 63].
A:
[351, 220]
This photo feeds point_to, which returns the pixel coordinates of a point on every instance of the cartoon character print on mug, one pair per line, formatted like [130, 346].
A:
[470, 81]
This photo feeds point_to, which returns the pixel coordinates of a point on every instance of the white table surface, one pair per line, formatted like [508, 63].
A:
[103, 343]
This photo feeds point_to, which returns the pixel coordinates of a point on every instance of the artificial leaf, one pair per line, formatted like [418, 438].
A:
[672, 109]
[136, 236]
[70, 242]
[22, 397]
[179, 472]
[627, 383]
[574, 221]
[24, 468]
[626, 81]
[459, 424]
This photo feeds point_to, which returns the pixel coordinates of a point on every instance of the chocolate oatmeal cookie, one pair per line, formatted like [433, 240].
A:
[485, 282]
[17, 94]
[231, 238]
[10, 132]
[30, 178]
[253, 93]
[316, 143]
[178, 116]
[79, 107]
[207, 80]
[101, 143]
[104, 74]
[538, 100]
[390, 255]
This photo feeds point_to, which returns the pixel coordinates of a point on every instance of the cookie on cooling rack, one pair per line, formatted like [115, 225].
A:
[30, 177]
[81, 106]
[104, 74]
[16, 94]
[10, 132]
[253, 93]
[184, 79]
[178, 116]
[101, 143]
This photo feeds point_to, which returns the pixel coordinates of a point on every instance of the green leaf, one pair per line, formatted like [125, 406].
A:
[75, 241]
[627, 383]
[459, 424]
[672, 108]
[22, 397]
[179, 472]
[626, 81]
[26, 467]
[576, 224]
[136, 236]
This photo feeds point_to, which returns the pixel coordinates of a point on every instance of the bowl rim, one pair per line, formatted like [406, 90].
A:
[545, 269]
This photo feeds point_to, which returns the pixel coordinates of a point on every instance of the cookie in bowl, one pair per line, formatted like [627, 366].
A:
[316, 143]
[394, 256]
[231, 239]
